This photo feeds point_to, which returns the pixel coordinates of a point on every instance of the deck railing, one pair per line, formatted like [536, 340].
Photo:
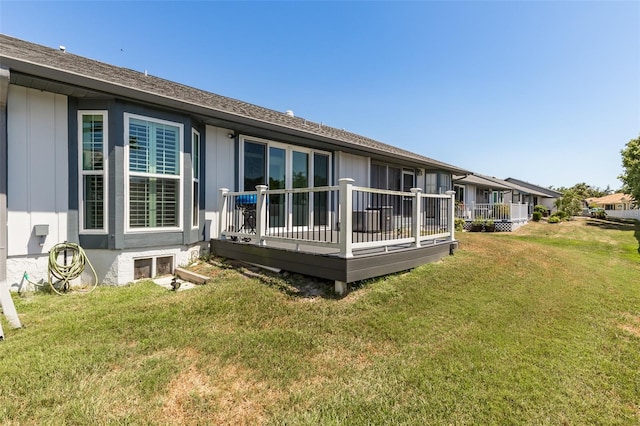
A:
[343, 217]
[499, 212]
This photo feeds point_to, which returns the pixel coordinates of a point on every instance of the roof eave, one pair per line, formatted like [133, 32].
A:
[96, 84]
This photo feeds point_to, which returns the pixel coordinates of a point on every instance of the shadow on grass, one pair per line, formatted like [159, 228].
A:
[618, 225]
[292, 284]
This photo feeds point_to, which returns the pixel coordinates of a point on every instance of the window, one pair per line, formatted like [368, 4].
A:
[195, 173]
[497, 197]
[92, 140]
[281, 166]
[153, 154]
[459, 193]
[392, 178]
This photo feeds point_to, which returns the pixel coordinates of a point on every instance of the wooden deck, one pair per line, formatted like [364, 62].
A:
[326, 263]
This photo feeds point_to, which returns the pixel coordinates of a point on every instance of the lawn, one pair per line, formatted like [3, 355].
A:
[539, 326]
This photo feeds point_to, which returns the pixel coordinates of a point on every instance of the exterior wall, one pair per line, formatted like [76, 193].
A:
[220, 165]
[37, 169]
[113, 267]
[352, 166]
[469, 194]
[548, 202]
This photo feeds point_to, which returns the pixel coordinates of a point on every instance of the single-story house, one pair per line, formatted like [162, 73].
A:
[532, 194]
[617, 201]
[486, 197]
[618, 205]
[145, 174]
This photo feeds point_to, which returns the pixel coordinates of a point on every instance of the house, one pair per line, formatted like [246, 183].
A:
[485, 197]
[616, 205]
[146, 173]
[533, 194]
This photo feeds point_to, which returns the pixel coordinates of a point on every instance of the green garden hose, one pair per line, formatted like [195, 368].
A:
[69, 270]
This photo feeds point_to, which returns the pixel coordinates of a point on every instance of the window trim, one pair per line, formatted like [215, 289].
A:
[289, 149]
[127, 175]
[104, 172]
[195, 198]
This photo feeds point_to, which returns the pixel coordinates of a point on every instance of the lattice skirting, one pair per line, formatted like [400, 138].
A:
[505, 226]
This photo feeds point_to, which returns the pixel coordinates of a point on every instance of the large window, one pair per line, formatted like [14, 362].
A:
[283, 166]
[392, 178]
[153, 154]
[195, 173]
[92, 138]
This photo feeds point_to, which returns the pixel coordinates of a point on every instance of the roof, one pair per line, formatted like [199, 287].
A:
[484, 181]
[617, 198]
[495, 183]
[545, 192]
[41, 62]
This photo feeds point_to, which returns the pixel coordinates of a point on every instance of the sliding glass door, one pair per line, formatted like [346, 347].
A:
[283, 166]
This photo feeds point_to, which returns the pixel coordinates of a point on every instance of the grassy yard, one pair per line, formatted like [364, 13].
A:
[541, 326]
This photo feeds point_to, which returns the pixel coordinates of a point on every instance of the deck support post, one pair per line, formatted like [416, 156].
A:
[222, 210]
[452, 215]
[417, 217]
[346, 216]
[340, 288]
[261, 214]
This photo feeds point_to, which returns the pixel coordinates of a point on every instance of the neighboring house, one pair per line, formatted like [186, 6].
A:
[617, 201]
[616, 205]
[144, 173]
[485, 197]
[533, 195]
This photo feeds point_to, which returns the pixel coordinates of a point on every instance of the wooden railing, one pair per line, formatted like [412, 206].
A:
[343, 217]
[497, 212]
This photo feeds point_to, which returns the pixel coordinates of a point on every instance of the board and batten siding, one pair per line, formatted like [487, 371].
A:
[220, 164]
[37, 168]
[352, 166]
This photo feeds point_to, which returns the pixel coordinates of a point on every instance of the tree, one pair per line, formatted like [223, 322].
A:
[571, 202]
[631, 164]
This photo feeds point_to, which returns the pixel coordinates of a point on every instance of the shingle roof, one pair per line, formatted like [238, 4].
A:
[546, 192]
[510, 183]
[616, 198]
[484, 181]
[41, 61]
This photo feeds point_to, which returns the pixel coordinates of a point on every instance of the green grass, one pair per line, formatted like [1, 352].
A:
[541, 326]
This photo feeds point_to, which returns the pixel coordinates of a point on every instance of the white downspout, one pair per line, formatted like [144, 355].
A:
[6, 301]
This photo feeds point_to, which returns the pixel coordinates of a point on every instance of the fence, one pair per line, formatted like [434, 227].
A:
[343, 217]
[497, 212]
[624, 214]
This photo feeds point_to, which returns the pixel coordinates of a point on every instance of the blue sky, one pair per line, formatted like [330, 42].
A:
[543, 91]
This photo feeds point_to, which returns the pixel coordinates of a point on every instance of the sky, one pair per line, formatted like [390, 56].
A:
[543, 91]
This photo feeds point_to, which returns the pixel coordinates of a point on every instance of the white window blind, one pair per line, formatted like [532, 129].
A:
[154, 149]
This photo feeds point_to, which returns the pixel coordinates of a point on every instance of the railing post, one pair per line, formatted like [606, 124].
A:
[346, 216]
[261, 214]
[222, 210]
[452, 217]
[417, 217]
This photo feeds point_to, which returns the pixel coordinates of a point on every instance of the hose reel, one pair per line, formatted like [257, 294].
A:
[69, 270]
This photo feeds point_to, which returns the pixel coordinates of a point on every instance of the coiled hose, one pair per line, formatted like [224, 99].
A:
[69, 270]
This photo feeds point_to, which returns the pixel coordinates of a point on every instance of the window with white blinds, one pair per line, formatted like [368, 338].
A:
[92, 141]
[153, 151]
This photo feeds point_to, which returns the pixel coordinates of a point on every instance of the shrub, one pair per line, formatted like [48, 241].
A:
[554, 219]
[536, 216]
[459, 224]
[560, 214]
[542, 209]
